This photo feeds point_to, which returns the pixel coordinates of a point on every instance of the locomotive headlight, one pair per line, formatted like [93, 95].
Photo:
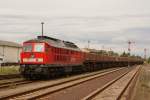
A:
[25, 59]
[40, 59]
[32, 59]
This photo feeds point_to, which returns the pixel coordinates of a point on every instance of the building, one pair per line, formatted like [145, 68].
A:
[10, 52]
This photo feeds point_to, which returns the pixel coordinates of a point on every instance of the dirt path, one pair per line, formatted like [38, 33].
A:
[143, 85]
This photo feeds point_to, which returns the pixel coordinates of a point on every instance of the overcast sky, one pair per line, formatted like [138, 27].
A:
[106, 23]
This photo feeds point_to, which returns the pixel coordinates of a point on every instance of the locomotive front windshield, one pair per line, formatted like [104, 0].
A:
[36, 47]
[39, 47]
[27, 48]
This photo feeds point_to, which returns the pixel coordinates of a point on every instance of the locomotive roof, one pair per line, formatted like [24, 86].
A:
[56, 42]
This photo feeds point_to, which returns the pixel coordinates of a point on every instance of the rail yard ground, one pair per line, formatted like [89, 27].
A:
[71, 88]
[143, 85]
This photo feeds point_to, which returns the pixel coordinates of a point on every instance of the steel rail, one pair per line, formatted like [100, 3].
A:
[38, 93]
[11, 76]
[16, 83]
[127, 85]
[8, 81]
[99, 90]
[14, 94]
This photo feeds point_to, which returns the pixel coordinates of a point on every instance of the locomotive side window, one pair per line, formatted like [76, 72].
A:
[27, 48]
[39, 47]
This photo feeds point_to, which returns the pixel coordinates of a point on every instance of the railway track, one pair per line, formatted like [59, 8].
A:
[116, 89]
[21, 93]
[53, 89]
[9, 76]
[80, 89]
[13, 83]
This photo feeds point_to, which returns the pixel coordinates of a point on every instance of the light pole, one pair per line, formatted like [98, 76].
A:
[42, 28]
[88, 44]
[129, 51]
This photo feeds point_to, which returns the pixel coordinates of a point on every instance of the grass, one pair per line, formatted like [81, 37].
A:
[5, 70]
[143, 86]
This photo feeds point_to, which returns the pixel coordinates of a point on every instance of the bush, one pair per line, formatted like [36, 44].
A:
[4, 70]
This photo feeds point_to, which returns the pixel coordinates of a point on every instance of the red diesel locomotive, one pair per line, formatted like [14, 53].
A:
[46, 56]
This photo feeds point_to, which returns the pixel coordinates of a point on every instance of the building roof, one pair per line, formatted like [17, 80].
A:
[10, 44]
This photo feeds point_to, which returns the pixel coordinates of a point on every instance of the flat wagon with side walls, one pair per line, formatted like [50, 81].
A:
[45, 57]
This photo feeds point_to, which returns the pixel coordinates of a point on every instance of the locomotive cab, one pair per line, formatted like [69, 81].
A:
[33, 53]
[33, 58]
[46, 56]
[36, 57]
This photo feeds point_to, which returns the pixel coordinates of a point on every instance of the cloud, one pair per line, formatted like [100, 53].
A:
[104, 22]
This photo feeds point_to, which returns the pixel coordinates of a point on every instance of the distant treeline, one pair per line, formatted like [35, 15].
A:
[148, 60]
[112, 53]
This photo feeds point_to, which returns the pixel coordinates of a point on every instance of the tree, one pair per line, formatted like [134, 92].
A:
[124, 54]
[148, 60]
